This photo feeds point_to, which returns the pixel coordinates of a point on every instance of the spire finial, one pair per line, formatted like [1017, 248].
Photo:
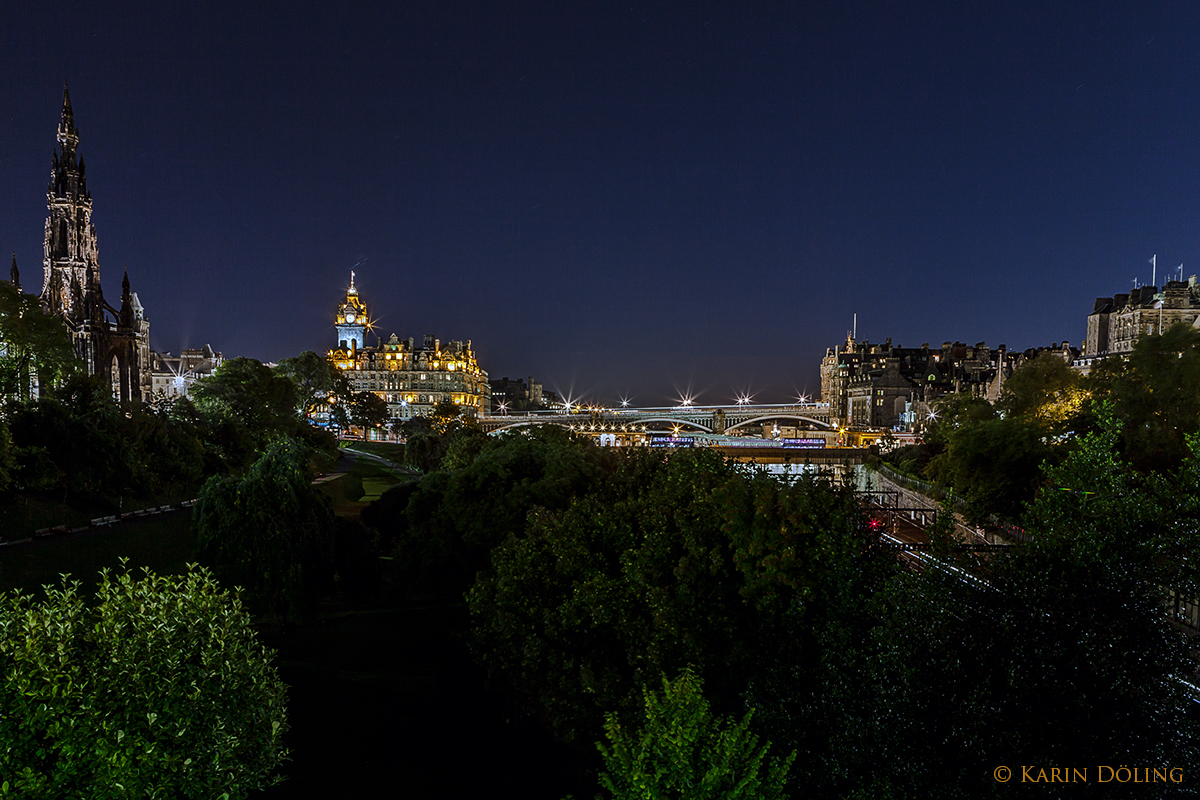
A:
[14, 275]
[352, 289]
[68, 137]
[125, 284]
[68, 116]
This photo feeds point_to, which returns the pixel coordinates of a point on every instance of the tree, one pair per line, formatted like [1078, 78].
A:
[160, 689]
[74, 442]
[994, 465]
[1044, 389]
[167, 446]
[954, 412]
[683, 752]
[8, 462]
[316, 380]
[1155, 392]
[445, 415]
[249, 392]
[269, 532]
[443, 526]
[368, 410]
[662, 562]
[33, 344]
[1065, 655]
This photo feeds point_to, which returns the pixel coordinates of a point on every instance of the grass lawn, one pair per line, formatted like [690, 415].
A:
[163, 542]
[392, 451]
[360, 481]
[22, 514]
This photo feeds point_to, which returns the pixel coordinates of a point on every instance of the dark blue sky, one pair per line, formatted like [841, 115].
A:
[618, 199]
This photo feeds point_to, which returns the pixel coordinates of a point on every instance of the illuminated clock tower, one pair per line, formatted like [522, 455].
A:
[351, 320]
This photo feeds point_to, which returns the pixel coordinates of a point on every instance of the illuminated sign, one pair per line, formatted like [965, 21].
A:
[672, 441]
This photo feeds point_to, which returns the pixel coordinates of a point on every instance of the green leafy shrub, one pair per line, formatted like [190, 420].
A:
[683, 752]
[160, 690]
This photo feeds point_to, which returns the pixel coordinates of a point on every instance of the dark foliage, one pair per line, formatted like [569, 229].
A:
[269, 532]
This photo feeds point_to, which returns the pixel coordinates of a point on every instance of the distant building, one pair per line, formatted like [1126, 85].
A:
[511, 396]
[172, 376]
[411, 378]
[1117, 322]
[881, 386]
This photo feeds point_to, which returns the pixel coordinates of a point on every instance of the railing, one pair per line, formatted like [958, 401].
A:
[924, 487]
[1185, 611]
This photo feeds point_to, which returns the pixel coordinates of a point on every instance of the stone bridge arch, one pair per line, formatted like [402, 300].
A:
[765, 417]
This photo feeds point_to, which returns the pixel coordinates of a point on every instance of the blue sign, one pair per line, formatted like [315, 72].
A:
[804, 444]
[672, 441]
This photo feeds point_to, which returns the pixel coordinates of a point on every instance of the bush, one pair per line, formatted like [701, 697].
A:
[160, 690]
[682, 752]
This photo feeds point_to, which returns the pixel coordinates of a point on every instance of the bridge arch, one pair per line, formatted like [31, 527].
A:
[765, 417]
[688, 422]
[527, 423]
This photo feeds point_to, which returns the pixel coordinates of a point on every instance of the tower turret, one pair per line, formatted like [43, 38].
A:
[351, 319]
[126, 316]
[14, 276]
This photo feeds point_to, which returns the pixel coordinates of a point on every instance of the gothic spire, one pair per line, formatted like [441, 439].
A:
[68, 136]
[14, 276]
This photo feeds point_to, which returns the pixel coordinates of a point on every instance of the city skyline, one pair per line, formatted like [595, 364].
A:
[644, 204]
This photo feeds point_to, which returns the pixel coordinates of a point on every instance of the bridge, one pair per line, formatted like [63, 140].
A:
[682, 419]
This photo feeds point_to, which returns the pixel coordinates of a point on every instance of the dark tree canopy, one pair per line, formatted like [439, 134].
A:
[33, 345]
[269, 532]
[316, 380]
[1155, 393]
[249, 392]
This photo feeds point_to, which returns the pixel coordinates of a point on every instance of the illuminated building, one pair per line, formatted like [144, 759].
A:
[410, 378]
[114, 344]
[172, 376]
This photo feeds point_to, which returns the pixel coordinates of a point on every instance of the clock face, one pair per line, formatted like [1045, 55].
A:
[350, 318]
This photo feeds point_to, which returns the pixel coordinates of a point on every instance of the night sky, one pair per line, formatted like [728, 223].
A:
[622, 200]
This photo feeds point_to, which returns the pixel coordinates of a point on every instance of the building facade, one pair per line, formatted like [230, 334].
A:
[114, 344]
[411, 378]
[173, 376]
[879, 386]
[1117, 322]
